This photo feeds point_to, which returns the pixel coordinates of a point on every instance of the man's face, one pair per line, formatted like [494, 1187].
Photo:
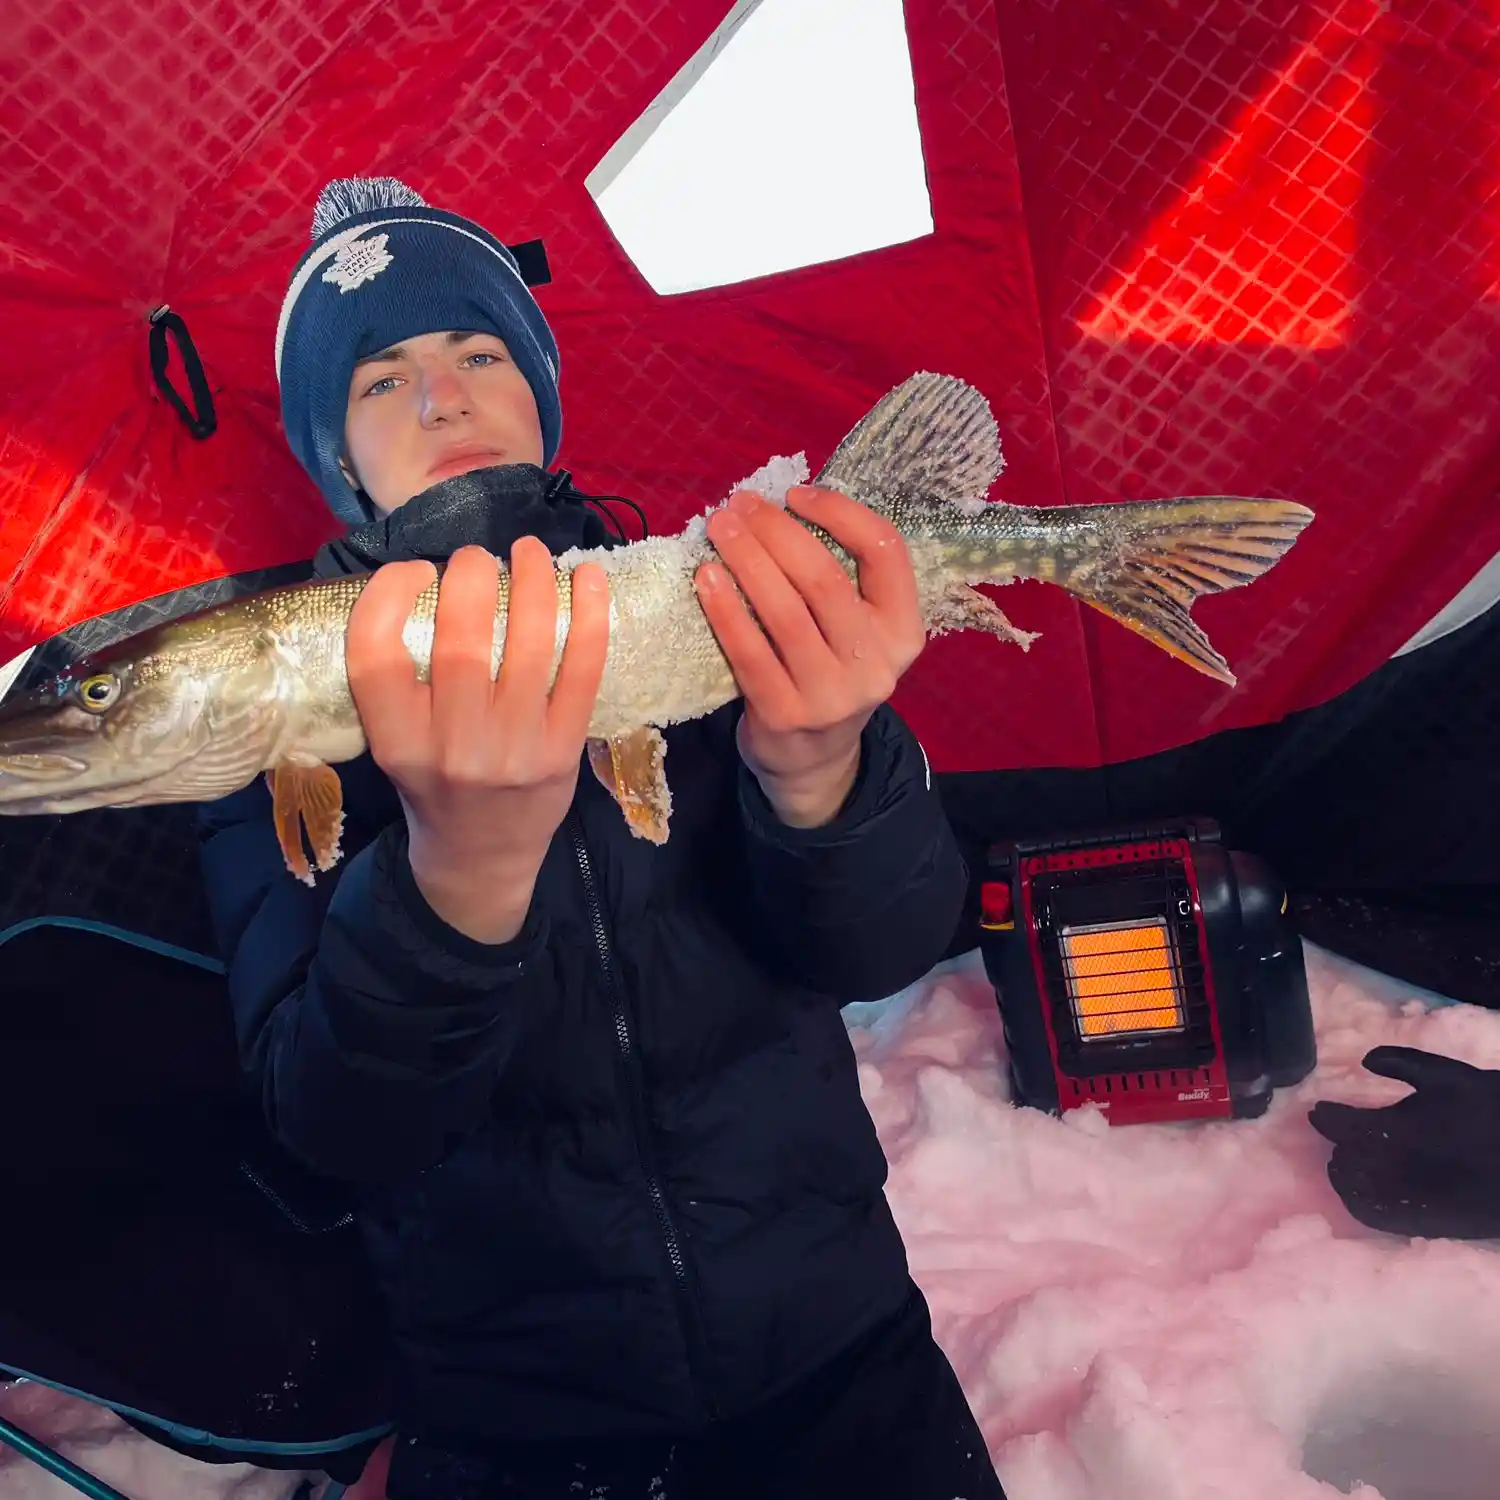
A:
[434, 406]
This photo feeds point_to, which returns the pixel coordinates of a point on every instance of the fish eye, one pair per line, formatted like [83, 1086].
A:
[99, 692]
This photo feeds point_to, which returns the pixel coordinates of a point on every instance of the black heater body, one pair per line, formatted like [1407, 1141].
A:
[1148, 970]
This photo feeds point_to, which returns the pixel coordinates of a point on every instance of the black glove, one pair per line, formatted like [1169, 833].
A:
[1428, 1165]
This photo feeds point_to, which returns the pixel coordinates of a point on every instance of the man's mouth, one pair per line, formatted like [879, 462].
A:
[462, 460]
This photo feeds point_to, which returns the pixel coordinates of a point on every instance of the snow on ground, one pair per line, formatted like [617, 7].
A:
[1146, 1313]
[1187, 1312]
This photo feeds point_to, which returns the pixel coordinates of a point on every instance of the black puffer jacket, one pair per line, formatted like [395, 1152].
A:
[615, 1177]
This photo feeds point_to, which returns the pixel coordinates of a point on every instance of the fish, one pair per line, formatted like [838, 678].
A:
[195, 709]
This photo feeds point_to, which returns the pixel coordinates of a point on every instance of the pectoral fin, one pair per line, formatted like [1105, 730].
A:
[632, 769]
[967, 609]
[307, 799]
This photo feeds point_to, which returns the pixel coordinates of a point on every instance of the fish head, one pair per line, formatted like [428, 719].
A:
[168, 716]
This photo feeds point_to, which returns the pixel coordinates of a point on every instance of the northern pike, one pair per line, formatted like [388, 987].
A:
[197, 708]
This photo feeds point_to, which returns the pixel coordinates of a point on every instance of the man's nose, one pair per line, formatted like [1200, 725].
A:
[443, 397]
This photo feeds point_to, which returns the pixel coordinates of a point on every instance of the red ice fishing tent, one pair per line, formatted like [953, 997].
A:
[1242, 246]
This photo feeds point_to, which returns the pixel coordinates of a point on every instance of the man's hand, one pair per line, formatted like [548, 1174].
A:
[1424, 1165]
[819, 655]
[485, 769]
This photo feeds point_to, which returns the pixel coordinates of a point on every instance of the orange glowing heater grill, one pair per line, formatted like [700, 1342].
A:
[1149, 971]
[1122, 978]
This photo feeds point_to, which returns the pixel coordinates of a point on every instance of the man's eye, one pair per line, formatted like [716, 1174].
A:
[385, 383]
[486, 354]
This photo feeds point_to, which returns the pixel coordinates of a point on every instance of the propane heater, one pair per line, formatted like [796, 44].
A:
[1149, 971]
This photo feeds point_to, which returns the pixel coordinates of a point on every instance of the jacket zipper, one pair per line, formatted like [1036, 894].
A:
[687, 1312]
[298, 1221]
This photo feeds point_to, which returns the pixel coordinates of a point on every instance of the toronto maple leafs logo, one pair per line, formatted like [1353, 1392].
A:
[358, 262]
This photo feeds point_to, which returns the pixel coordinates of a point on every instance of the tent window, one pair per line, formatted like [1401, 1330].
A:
[790, 139]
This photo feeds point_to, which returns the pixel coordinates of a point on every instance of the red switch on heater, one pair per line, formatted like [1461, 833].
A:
[997, 911]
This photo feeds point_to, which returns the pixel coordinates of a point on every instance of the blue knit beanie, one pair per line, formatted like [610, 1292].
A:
[385, 266]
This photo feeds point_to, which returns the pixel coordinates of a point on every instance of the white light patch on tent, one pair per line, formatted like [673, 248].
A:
[13, 669]
[790, 139]
[1479, 595]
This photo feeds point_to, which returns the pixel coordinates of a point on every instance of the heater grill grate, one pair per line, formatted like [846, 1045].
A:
[1123, 963]
[1122, 977]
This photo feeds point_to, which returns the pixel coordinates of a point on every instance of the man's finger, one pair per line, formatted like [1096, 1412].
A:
[576, 689]
[393, 705]
[782, 614]
[757, 669]
[826, 589]
[531, 628]
[1346, 1124]
[463, 643]
[886, 579]
[1410, 1065]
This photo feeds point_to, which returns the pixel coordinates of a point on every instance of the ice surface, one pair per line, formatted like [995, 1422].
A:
[1146, 1313]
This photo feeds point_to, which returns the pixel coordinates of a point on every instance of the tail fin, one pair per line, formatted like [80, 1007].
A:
[1144, 564]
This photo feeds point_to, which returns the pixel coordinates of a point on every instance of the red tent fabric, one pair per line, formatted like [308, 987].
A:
[1222, 247]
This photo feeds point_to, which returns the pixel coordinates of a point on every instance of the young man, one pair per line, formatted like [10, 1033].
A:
[595, 1095]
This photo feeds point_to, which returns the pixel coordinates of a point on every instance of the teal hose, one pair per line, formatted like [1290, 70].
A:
[54, 1463]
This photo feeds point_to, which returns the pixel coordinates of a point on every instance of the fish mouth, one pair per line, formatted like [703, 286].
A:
[42, 757]
[41, 783]
[48, 768]
[178, 740]
[26, 795]
[41, 778]
[39, 766]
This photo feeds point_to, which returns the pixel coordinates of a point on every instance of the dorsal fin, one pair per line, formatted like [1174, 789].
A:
[933, 437]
